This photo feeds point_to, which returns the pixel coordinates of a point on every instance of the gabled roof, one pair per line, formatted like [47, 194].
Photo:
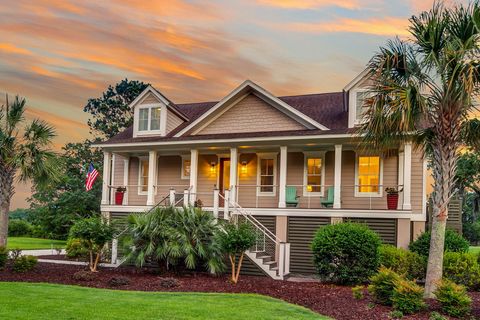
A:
[161, 98]
[243, 89]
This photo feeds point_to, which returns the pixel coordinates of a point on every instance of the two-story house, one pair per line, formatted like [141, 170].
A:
[290, 163]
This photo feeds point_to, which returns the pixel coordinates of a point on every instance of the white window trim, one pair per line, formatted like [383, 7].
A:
[353, 110]
[163, 120]
[140, 191]
[185, 157]
[358, 194]
[313, 154]
[273, 156]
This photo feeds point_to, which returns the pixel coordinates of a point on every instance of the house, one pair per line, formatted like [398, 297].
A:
[286, 164]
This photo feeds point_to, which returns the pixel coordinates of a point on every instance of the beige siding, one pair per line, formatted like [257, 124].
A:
[173, 121]
[118, 171]
[206, 180]
[133, 197]
[169, 176]
[149, 98]
[251, 115]
[417, 181]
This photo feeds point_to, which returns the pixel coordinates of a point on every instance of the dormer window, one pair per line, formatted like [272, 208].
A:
[149, 118]
[360, 96]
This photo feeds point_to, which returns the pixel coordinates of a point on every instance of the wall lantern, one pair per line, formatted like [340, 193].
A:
[212, 167]
[244, 167]
[309, 188]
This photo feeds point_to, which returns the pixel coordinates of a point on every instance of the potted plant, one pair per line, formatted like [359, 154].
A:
[392, 197]
[119, 193]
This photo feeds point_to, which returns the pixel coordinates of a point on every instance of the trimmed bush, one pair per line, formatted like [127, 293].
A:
[18, 228]
[462, 268]
[346, 253]
[454, 242]
[75, 249]
[453, 299]
[382, 285]
[407, 297]
[24, 263]
[357, 292]
[404, 262]
[3, 257]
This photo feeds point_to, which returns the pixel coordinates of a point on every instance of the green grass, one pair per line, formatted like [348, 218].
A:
[49, 301]
[475, 250]
[25, 243]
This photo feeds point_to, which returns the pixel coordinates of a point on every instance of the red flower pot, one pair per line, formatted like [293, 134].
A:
[119, 198]
[392, 201]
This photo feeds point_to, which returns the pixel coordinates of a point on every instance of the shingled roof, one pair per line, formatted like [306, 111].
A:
[325, 108]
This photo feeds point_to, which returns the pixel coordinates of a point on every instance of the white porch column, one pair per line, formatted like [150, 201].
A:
[337, 184]
[216, 202]
[226, 209]
[407, 176]
[282, 183]
[172, 196]
[126, 165]
[152, 177]
[401, 162]
[233, 174]
[193, 175]
[107, 167]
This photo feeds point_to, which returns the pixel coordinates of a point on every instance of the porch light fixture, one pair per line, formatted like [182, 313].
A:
[309, 188]
[212, 167]
[244, 167]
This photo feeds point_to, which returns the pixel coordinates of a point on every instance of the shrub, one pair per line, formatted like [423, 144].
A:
[84, 275]
[471, 232]
[454, 242]
[404, 262]
[462, 268]
[17, 228]
[396, 314]
[3, 257]
[346, 253]
[407, 297]
[235, 241]
[168, 282]
[436, 316]
[175, 237]
[75, 249]
[94, 234]
[357, 292]
[24, 263]
[382, 285]
[118, 281]
[453, 299]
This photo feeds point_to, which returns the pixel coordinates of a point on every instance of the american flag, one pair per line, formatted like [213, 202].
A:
[92, 175]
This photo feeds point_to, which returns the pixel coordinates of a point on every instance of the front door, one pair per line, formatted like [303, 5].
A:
[224, 177]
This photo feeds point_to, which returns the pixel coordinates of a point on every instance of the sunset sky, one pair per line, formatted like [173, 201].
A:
[59, 53]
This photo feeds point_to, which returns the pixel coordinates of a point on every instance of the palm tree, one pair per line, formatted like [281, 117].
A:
[423, 91]
[24, 155]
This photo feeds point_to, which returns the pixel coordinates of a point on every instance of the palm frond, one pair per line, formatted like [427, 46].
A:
[471, 133]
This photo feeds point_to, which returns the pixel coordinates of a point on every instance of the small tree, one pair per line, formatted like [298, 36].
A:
[235, 241]
[94, 234]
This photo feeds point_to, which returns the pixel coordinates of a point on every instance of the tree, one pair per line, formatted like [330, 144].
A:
[111, 112]
[422, 92]
[235, 241]
[468, 182]
[94, 234]
[56, 206]
[24, 155]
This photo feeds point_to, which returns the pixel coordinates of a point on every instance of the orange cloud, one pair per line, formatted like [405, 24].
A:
[311, 4]
[12, 49]
[387, 26]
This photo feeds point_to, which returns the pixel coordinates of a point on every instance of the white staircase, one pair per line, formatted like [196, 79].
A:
[269, 253]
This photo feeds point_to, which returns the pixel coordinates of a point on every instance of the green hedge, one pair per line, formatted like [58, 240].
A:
[454, 242]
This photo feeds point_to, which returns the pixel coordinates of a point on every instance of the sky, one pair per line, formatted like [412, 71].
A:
[59, 53]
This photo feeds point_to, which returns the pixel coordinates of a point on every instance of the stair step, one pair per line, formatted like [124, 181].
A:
[254, 251]
[274, 269]
[270, 262]
[264, 257]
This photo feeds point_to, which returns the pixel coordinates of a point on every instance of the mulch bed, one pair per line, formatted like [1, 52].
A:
[333, 301]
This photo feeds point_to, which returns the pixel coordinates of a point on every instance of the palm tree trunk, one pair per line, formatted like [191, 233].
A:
[6, 192]
[445, 158]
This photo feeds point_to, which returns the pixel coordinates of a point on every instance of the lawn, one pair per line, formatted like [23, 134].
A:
[49, 301]
[25, 243]
[474, 249]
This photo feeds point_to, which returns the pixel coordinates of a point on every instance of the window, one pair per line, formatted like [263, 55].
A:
[266, 174]
[185, 167]
[314, 172]
[360, 97]
[143, 176]
[149, 118]
[368, 175]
